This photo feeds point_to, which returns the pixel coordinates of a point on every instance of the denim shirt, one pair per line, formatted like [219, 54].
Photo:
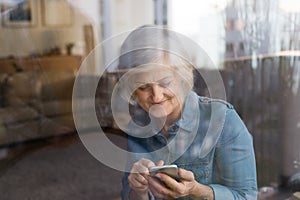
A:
[220, 154]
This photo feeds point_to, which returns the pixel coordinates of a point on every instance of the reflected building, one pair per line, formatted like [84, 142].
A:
[252, 28]
[262, 43]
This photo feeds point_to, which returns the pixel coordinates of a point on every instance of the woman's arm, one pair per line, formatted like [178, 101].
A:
[235, 162]
[139, 196]
[234, 172]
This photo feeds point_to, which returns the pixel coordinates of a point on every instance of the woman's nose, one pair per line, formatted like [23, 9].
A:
[157, 93]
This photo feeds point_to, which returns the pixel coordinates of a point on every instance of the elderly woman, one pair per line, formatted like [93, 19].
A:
[171, 124]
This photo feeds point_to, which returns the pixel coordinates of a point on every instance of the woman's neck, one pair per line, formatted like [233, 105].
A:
[171, 119]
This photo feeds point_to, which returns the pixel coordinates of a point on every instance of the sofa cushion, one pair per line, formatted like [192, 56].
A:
[36, 104]
[55, 107]
[27, 88]
[22, 89]
[21, 132]
[57, 84]
[12, 115]
[57, 125]
[3, 78]
[2, 133]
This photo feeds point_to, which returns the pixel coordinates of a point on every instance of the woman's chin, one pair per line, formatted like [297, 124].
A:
[159, 115]
[158, 111]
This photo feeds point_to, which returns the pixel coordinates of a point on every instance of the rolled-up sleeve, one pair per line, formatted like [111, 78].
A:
[126, 188]
[235, 162]
[132, 146]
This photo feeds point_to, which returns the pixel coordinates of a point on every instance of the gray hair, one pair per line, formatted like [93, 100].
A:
[152, 44]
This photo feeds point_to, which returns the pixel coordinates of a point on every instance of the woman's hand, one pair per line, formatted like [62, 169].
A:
[171, 189]
[138, 177]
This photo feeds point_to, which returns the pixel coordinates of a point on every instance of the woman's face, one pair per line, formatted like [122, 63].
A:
[160, 87]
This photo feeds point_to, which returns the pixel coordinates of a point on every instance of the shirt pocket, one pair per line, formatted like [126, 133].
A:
[200, 168]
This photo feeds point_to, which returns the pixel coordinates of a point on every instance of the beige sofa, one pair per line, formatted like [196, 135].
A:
[35, 104]
[38, 104]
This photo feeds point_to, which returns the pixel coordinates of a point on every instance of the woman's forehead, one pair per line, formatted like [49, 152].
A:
[154, 74]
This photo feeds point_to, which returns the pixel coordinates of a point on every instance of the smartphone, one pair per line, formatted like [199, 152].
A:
[171, 170]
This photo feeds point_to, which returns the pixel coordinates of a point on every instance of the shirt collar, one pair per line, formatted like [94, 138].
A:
[189, 113]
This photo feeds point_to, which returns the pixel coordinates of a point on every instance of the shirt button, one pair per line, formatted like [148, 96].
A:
[174, 128]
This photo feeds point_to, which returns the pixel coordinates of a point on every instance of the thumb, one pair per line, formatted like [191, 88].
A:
[159, 163]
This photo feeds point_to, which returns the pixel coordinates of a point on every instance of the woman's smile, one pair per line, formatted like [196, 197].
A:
[161, 88]
[160, 102]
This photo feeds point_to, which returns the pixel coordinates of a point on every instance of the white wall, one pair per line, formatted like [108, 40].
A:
[124, 15]
[129, 14]
[203, 22]
[40, 38]
[120, 17]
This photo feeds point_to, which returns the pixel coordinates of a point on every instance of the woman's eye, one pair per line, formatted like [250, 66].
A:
[144, 87]
[165, 84]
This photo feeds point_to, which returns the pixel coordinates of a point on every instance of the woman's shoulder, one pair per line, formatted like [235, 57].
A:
[215, 101]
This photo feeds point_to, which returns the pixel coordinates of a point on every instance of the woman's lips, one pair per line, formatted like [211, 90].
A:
[159, 102]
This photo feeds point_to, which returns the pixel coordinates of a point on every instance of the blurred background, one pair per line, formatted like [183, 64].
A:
[253, 44]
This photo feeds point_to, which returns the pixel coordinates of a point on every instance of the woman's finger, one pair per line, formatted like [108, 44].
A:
[142, 166]
[139, 168]
[147, 163]
[138, 183]
[156, 188]
[160, 190]
[170, 182]
[185, 174]
[141, 179]
[159, 163]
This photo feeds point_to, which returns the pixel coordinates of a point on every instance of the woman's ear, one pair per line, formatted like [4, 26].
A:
[133, 100]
